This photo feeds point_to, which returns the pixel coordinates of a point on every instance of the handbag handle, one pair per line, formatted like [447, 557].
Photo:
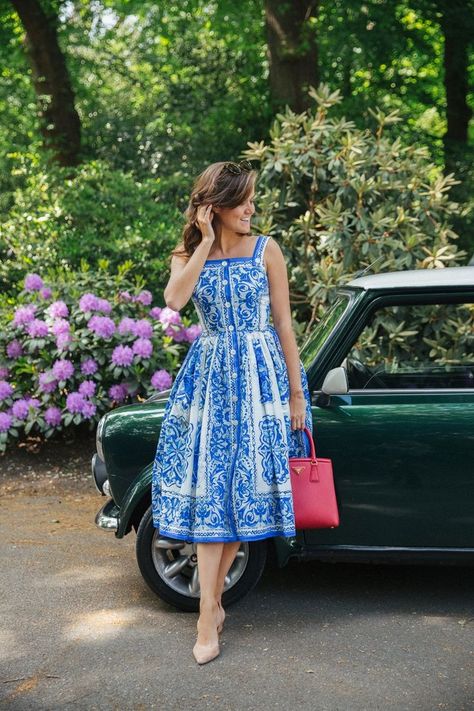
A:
[313, 473]
[311, 442]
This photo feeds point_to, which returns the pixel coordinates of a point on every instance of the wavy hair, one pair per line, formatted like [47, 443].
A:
[218, 187]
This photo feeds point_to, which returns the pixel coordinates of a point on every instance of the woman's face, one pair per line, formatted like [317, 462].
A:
[237, 219]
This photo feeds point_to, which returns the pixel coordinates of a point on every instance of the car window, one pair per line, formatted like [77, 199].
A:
[420, 346]
[324, 328]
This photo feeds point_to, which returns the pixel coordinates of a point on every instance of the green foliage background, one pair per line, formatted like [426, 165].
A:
[163, 89]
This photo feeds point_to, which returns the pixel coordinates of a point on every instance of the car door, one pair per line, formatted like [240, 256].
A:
[402, 439]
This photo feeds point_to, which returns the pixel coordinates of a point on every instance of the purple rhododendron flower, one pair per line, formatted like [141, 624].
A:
[143, 328]
[63, 340]
[180, 335]
[88, 302]
[63, 369]
[47, 382]
[75, 402]
[125, 296]
[5, 390]
[161, 379]
[155, 312]
[14, 349]
[193, 332]
[37, 328]
[89, 409]
[126, 325]
[60, 325]
[168, 316]
[122, 355]
[143, 347]
[87, 388]
[102, 325]
[32, 401]
[5, 421]
[89, 367]
[20, 409]
[24, 314]
[172, 331]
[104, 306]
[46, 292]
[4, 373]
[118, 392]
[58, 309]
[53, 416]
[145, 297]
[33, 282]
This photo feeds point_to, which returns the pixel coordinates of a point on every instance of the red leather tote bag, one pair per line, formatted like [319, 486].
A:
[314, 496]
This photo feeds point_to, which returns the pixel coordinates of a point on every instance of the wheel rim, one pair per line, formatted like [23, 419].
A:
[176, 564]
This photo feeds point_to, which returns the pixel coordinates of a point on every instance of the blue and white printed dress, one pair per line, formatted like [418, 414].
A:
[221, 470]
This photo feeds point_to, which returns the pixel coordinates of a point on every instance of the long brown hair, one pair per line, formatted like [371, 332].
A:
[217, 187]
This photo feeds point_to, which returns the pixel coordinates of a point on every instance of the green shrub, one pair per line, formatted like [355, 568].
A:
[338, 199]
[64, 216]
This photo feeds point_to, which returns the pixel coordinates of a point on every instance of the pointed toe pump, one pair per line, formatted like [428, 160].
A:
[204, 653]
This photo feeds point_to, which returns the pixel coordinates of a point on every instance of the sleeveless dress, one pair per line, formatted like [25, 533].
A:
[221, 470]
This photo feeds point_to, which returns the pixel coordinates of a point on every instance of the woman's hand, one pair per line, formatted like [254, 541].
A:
[297, 410]
[204, 222]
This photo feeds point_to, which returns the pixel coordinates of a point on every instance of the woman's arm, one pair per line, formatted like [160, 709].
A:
[184, 275]
[185, 272]
[281, 315]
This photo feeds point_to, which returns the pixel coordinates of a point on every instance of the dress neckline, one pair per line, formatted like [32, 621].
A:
[233, 259]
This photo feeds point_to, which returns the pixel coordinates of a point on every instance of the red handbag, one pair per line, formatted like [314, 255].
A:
[314, 496]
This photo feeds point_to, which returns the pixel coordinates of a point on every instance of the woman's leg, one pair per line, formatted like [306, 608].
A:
[208, 561]
[227, 558]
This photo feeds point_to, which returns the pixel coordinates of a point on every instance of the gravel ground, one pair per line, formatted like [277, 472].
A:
[61, 464]
[79, 629]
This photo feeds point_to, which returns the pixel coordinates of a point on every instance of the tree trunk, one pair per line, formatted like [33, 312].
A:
[293, 51]
[61, 126]
[457, 24]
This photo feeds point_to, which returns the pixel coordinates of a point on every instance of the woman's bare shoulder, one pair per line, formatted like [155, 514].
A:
[272, 251]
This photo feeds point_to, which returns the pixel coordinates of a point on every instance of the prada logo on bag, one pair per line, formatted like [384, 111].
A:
[297, 469]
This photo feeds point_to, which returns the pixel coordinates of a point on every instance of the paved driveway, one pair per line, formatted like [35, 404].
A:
[80, 629]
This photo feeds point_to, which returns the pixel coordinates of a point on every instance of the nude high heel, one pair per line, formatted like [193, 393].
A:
[204, 653]
[220, 626]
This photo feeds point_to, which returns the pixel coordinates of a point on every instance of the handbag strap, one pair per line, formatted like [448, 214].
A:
[311, 442]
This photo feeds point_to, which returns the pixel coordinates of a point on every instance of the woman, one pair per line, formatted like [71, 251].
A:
[221, 473]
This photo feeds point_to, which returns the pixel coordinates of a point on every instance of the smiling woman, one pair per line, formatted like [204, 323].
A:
[240, 400]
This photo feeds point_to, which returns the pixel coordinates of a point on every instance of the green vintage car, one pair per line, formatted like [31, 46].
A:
[390, 369]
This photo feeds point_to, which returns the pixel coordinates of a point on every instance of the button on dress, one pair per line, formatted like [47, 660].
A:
[221, 470]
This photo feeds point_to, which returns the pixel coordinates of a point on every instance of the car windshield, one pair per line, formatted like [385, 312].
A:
[318, 337]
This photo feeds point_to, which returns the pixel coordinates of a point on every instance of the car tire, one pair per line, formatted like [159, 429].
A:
[157, 555]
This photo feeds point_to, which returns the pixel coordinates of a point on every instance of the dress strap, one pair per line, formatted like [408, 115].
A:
[260, 248]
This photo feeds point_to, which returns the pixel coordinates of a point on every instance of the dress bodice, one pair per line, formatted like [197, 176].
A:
[233, 294]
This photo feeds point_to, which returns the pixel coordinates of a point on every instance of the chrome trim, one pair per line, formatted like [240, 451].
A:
[106, 488]
[104, 522]
[98, 437]
[99, 472]
[94, 457]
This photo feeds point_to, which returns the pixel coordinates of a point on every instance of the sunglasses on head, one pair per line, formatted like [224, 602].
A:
[237, 168]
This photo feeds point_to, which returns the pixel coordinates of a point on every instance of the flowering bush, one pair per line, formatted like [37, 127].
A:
[341, 198]
[68, 354]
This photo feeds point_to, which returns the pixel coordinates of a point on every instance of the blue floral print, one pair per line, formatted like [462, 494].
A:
[221, 470]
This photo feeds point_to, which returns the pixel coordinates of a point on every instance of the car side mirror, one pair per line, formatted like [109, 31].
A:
[335, 382]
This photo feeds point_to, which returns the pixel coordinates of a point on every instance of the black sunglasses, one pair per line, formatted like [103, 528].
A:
[237, 168]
